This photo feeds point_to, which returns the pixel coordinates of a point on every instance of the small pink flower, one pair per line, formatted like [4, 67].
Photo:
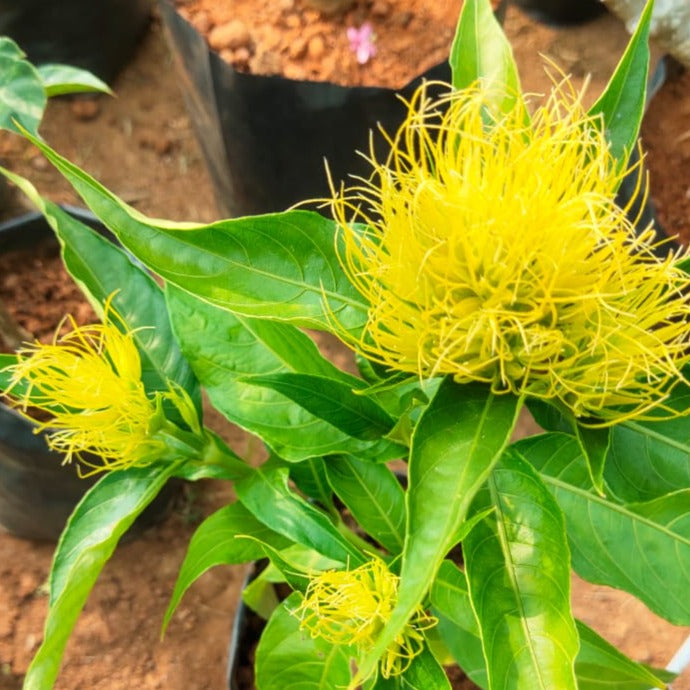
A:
[362, 42]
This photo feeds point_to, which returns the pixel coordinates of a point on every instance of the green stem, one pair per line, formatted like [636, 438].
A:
[206, 449]
[353, 538]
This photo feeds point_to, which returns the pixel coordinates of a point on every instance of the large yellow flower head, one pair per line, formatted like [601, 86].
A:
[489, 247]
[351, 607]
[87, 383]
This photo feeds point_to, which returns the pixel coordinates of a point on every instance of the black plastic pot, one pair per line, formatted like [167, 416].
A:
[562, 12]
[247, 627]
[97, 35]
[37, 493]
[265, 138]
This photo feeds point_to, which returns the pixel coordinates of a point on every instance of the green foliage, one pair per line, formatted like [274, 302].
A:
[518, 571]
[25, 89]
[287, 658]
[90, 537]
[478, 529]
[622, 103]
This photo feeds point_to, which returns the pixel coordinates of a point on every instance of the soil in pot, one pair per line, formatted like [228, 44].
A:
[293, 39]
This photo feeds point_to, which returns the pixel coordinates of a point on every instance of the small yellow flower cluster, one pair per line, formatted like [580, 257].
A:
[88, 385]
[351, 607]
[493, 251]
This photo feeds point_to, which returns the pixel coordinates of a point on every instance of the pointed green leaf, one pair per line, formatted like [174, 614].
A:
[267, 496]
[215, 543]
[9, 49]
[649, 459]
[374, 496]
[518, 571]
[103, 515]
[296, 563]
[641, 548]
[22, 96]
[595, 445]
[260, 596]
[450, 600]
[224, 349]
[481, 52]
[459, 438]
[288, 658]
[336, 403]
[600, 666]
[622, 102]
[594, 442]
[280, 265]
[59, 80]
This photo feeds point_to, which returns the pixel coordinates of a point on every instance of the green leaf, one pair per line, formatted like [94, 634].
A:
[289, 658]
[22, 96]
[260, 596]
[215, 543]
[518, 571]
[100, 268]
[267, 496]
[595, 445]
[623, 100]
[594, 442]
[336, 403]
[459, 438]
[7, 360]
[224, 349]
[9, 49]
[481, 52]
[310, 478]
[649, 459]
[281, 266]
[641, 548]
[103, 515]
[600, 666]
[59, 80]
[296, 564]
[374, 496]
[450, 601]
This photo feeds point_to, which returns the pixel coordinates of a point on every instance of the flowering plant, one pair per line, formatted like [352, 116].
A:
[484, 266]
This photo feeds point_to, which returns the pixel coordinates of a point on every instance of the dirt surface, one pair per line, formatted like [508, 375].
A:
[140, 144]
[299, 42]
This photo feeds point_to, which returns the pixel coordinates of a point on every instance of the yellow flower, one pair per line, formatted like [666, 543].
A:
[88, 385]
[351, 607]
[489, 248]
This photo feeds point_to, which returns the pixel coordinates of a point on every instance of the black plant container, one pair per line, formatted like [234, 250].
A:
[247, 627]
[265, 138]
[562, 12]
[97, 35]
[37, 493]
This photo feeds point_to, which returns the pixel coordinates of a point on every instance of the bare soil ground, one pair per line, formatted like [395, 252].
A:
[140, 145]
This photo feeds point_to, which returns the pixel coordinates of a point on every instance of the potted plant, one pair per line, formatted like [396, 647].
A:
[459, 315]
